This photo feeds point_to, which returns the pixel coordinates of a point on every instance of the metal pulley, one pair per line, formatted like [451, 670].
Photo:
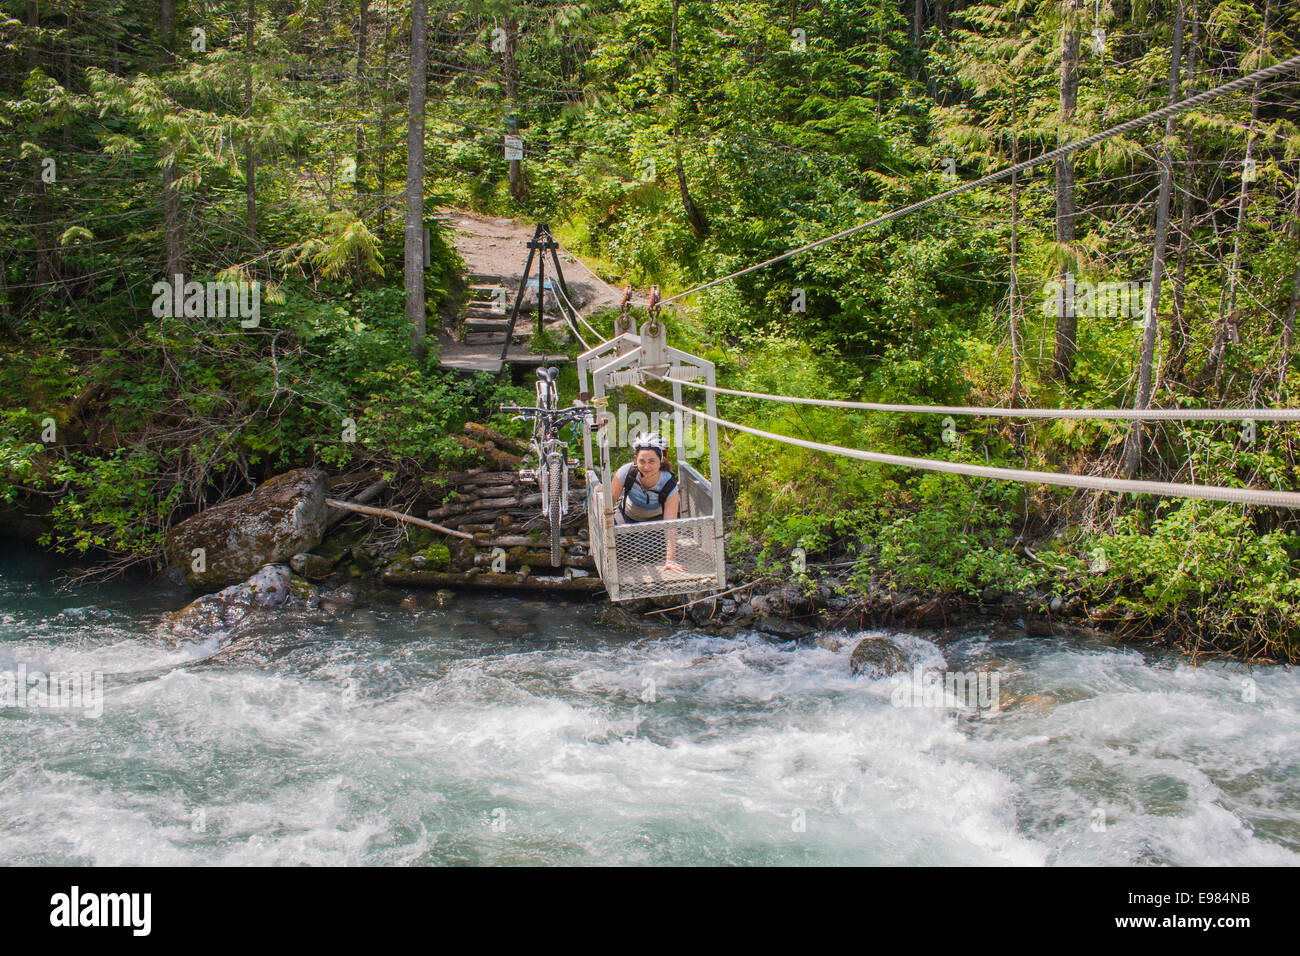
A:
[623, 324]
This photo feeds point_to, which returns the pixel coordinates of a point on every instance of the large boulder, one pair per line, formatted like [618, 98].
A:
[223, 614]
[876, 657]
[282, 517]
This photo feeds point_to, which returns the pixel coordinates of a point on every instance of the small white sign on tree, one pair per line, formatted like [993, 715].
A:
[514, 147]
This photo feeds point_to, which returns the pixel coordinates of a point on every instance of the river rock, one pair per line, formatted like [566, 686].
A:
[270, 587]
[744, 614]
[703, 612]
[840, 602]
[829, 642]
[781, 627]
[313, 567]
[1038, 626]
[876, 657]
[792, 600]
[280, 518]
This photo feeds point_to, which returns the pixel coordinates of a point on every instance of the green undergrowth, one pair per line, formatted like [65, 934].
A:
[1208, 577]
[187, 411]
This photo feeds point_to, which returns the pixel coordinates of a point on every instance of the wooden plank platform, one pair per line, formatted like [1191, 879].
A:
[486, 325]
[487, 358]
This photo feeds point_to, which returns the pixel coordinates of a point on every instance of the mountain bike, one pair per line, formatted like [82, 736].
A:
[553, 461]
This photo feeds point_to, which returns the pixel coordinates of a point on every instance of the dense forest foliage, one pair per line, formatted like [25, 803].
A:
[671, 142]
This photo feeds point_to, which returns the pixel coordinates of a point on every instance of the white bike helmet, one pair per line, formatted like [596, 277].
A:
[652, 440]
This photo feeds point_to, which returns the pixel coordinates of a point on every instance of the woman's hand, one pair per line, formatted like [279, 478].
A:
[674, 566]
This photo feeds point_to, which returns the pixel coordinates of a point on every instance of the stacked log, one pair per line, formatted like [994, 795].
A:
[501, 451]
[511, 539]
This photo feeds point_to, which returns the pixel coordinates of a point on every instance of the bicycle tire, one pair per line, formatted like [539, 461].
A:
[554, 488]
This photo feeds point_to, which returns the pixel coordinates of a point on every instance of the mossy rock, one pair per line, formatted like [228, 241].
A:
[876, 657]
[283, 516]
[331, 548]
[421, 538]
[437, 557]
[463, 553]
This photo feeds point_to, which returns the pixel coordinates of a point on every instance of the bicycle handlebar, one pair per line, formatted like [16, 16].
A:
[528, 411]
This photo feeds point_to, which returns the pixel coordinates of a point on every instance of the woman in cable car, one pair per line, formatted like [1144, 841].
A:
[645, 490]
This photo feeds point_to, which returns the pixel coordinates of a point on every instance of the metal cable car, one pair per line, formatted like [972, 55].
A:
[630, 557]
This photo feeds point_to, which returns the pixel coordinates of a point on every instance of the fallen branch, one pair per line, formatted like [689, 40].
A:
[1054, 567]
[368, 495]
[397, 516]
[507, 443]
[707, 597]
[512, 581]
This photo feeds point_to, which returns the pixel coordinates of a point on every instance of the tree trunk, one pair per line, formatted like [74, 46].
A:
[517, 189]
[166, 21]
[1179, 337]
[1234, 271]
[1014, 303]
[67, 58]
[1288, 321]
[414, 259]
[1067, 323]
[699, 222]
[42, 215]
[384, 121]
[7, 304]
[33, 24]
[361, 98]
[44, 248]
[1288, 326]
[173, 248]
[250, 161]
[1133, 447]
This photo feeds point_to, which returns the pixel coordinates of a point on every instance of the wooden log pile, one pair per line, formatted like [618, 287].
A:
[503, 452]
[503, 513]
[507, 540]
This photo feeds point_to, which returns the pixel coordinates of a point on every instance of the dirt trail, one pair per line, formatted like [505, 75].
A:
[497, 248]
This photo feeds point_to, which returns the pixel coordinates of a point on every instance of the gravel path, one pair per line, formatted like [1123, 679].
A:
[495, 250]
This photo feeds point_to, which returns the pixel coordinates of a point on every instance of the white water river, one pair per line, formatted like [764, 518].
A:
[508, 731]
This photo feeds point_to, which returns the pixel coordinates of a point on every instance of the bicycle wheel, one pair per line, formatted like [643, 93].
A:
[554, 488]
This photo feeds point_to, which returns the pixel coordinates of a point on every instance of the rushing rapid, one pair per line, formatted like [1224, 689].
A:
[507, 731]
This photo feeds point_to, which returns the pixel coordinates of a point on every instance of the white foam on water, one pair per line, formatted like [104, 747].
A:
[408, 743]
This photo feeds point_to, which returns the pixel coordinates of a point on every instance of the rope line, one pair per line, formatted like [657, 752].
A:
[1251, 496]
[1173, 109]
[578, 315]
[573, 325]
[1118, 414]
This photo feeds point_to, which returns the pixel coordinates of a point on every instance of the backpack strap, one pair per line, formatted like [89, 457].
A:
[628, 473]
[669, 487]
